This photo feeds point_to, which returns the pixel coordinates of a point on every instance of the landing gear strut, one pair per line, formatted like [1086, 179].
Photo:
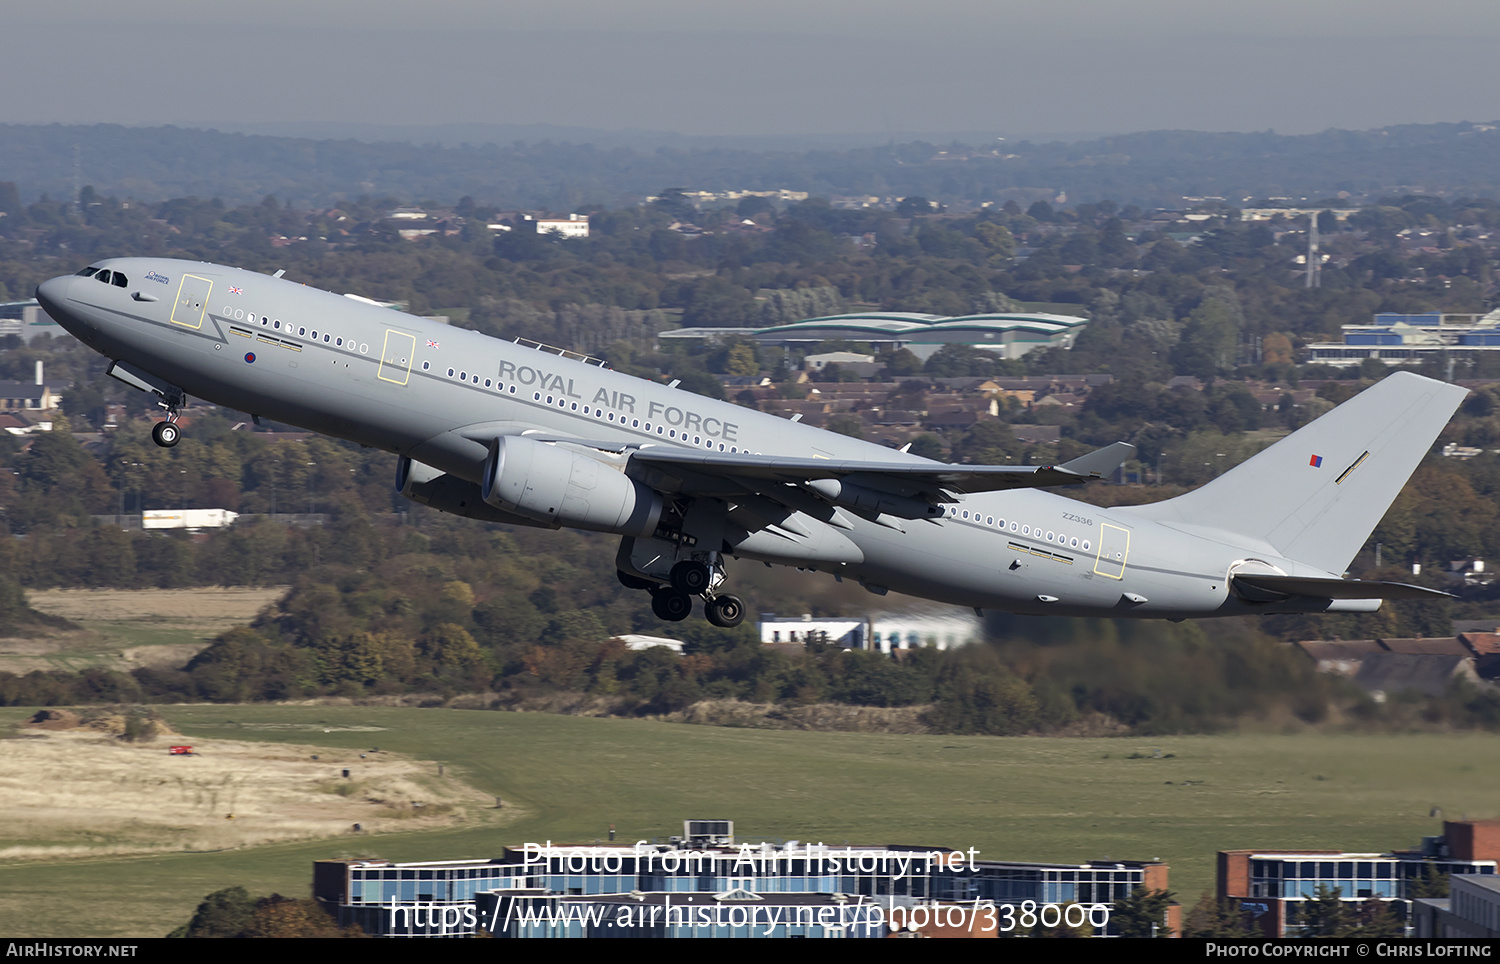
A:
[168, 396]
[169, 433]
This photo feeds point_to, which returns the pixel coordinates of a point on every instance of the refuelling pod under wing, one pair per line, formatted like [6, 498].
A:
[557, 486]
[432, 487]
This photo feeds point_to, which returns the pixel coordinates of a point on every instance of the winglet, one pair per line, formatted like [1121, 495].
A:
[1100, 462]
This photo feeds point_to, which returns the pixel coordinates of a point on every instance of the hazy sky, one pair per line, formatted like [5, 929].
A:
[756, 66]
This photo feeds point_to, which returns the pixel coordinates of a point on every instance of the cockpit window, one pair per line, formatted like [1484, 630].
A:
[87, 272]
[102, 276]
[119, 280]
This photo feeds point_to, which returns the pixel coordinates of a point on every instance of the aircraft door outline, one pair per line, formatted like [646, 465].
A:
[1114, 550]
[192, 301]
[395, 357]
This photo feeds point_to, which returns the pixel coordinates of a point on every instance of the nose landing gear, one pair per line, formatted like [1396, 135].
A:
[168, 396]
[166, 434]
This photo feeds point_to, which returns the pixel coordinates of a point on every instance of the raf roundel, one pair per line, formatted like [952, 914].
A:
[250, 357]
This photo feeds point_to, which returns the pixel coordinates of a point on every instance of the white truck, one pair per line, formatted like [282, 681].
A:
[188, 518]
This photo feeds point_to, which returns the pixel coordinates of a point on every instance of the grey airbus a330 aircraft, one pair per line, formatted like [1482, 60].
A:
[534, 436]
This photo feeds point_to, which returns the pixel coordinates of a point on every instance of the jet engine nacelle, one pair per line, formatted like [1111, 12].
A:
[558, 486]
[432, 487]
[412, 475]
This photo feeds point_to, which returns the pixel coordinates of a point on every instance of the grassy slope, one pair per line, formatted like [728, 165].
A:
[1012, 798]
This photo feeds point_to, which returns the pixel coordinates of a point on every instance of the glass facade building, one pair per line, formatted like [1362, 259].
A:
[1273, 886]
[454, 897]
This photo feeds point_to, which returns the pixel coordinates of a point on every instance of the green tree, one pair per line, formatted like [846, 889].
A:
[996, 238]
[901, 363]
[278, 916]
[741, 360]
[1143, 913]
[849, 425]
[929, 446]
[674, 203]
[1375, 919]
[224, 913]
[1431, 883]
[713, 302]
[1210, 336]
[988, 443]
[1325, 914]
[1214, 918]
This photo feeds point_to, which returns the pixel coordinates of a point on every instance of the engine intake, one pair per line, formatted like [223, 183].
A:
[561, 487]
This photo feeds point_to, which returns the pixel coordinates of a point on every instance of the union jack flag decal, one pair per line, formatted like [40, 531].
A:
[431, 343]
[236, 291]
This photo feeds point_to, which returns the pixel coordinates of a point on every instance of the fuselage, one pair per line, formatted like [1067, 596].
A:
[436, 394]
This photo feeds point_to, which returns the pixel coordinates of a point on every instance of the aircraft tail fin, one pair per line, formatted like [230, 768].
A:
[1316, 495]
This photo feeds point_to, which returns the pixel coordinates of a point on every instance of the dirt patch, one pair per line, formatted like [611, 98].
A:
[160, 656]
[136, 724]
[54, 720]
[209, 610]
[85, 792]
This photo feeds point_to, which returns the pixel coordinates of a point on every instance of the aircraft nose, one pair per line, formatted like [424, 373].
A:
[51, 294]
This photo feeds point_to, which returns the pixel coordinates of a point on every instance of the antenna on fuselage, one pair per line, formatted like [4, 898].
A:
[279, 272]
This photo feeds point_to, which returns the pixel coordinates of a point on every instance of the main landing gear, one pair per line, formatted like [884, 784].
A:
[726, 611]
[674, 602]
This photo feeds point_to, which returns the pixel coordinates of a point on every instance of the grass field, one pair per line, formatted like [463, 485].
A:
[568, 779]
[122, 629]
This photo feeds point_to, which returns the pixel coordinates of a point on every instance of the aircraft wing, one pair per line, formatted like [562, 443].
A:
[1269, 588]
[930, 481]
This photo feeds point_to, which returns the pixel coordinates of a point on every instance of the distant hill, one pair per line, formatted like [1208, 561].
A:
[543, 169]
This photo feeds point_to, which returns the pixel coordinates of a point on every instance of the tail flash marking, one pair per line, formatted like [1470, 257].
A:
[1345, 474]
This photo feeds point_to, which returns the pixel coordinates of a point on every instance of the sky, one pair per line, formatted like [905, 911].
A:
[755, 67]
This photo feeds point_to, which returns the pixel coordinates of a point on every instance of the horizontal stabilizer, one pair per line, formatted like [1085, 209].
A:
[1270, 588]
